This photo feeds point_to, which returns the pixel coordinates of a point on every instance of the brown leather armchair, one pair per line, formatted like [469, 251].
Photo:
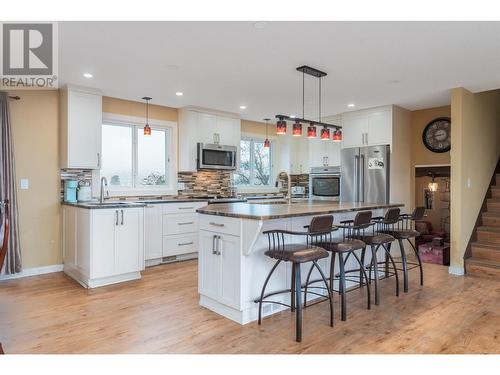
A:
[427, 232]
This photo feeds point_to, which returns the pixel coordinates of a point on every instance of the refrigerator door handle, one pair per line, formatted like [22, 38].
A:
[356, 178]
[362, 185]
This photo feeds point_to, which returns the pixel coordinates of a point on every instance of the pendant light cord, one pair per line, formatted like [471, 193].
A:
[319, 99]
[303, 96]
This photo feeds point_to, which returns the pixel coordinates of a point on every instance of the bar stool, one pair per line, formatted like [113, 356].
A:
[345, 247]
[297, 254]
[397, 225]
[377, 241]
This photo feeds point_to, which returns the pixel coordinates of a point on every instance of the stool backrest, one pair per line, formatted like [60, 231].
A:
[363, 219]
[392, 216]
[418, 213]
[321, 224]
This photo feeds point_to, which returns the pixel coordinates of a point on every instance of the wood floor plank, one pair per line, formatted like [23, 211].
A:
[160, 314]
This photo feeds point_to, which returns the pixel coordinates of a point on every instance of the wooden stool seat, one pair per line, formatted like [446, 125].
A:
[402, 234]
[345, 246]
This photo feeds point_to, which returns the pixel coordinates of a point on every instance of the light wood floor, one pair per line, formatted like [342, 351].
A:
[160, 314]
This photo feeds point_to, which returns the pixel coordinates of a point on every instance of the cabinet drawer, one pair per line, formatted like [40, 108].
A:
[220, 224]
[183, 207]
[177, 224]
[175, 245]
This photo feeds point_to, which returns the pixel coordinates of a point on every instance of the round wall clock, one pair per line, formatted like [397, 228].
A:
[437, 135]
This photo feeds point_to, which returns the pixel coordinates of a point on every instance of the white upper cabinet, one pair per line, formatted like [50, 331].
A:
[205, 126]
[367, 127]
[80, 127]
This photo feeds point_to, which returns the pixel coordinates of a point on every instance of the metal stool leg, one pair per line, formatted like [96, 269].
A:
[292, 290]
[369, 294]
[328, 289]
[405, 266]
[375, 273]
[307, 284]
[342, 287]
[332, 271]
[363, 253]
[298, 313]
[264, 289]
[389, 256]
[419, 263]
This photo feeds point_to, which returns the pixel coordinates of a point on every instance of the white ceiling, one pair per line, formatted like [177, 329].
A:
[223, 65]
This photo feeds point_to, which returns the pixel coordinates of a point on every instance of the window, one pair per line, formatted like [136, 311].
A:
[255, 164]
[132, 161]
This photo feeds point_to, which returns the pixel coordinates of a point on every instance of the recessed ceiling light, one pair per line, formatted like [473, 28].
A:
[178, 93]
[243, 107]
[88, 75]
[292, 116]
[350, 105]
[259, 24]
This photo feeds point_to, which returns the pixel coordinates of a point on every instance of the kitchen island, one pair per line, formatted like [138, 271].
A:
[232, 266]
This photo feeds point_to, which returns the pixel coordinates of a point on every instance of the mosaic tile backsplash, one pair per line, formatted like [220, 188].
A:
[205, 182]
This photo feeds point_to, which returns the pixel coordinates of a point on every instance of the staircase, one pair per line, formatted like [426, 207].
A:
[484, 252]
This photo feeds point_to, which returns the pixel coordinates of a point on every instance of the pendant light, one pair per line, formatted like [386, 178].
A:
[337, 136]
[325, 134]
[267, 144]
[311, 131]
[281, 126]
[147, 128]
[297, 129]
[433, 185]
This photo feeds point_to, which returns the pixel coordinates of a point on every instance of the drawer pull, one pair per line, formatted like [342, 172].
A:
[185, 208]
[188, 223]
[216, 224]
[185, 243]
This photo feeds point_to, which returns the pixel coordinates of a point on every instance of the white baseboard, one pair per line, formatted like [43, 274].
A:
[33, 272]
[454, 270]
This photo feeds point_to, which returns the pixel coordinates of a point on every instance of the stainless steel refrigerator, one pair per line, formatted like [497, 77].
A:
[365, 174]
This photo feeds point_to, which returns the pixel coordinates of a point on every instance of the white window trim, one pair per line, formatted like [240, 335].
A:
[171, 189]
[259, 189]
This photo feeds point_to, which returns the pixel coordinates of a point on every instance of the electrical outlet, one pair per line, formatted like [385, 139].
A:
[24, 184]
[181, 186]
[468, 182]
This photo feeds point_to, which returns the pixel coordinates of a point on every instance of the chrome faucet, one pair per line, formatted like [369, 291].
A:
[104, 182]
[289, 187]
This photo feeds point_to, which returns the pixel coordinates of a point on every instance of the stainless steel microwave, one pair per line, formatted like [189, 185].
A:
[324, 183]
[214, 156]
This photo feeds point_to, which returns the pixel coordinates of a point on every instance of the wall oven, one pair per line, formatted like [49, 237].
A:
[324, 183]
[214, 156]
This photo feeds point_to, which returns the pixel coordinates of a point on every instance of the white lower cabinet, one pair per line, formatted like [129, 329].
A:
[219, 268]
[103, 246]
[172, 230]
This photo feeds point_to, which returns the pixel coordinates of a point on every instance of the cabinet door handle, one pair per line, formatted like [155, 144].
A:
[216, 224]
[219, 245]
[185, 243]
[122, 216]
[185, 208]
[116, 217]
[186, 223]
[214, 237]
[366, 138]
[99, 159]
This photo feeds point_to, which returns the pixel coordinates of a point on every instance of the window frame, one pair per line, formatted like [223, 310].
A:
[253, 140]
[135, 123]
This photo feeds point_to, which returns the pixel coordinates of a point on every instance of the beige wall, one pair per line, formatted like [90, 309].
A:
[254, 127]
[474, 155]
[421, 155]
[36, 143]
[35, 131]
[132, 108]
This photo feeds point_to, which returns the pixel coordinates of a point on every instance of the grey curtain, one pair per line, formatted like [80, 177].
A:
[8, 187]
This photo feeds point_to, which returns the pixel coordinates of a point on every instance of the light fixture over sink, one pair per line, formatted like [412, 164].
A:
[267, 144]
[147, 128]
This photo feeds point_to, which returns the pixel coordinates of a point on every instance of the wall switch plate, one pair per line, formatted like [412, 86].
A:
[24, 184]
[181, 186]
[468, 183]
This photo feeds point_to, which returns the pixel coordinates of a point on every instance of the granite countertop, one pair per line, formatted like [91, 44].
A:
[263, 211]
